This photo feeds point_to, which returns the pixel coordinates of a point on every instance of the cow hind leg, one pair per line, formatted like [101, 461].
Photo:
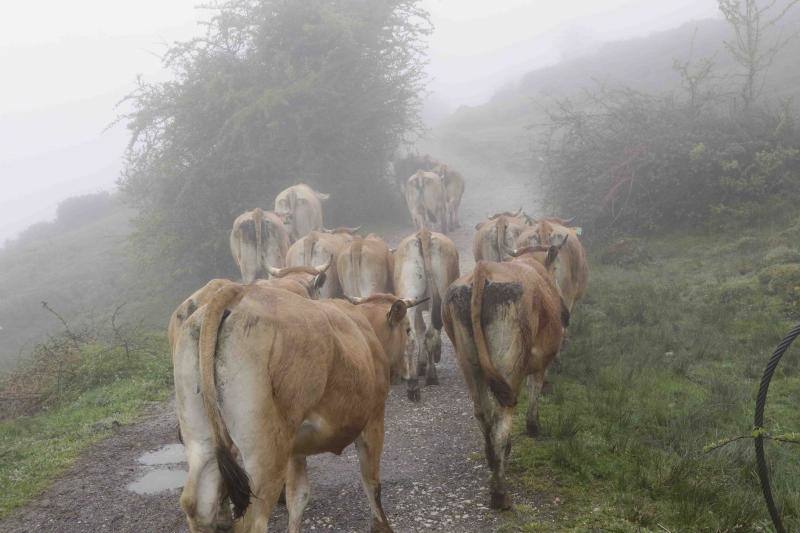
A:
[433, 350]
[297, 492]
[535, 385]
[370, 446]
[267, 466]
[420, 335]
[495, 424]
[200, 499]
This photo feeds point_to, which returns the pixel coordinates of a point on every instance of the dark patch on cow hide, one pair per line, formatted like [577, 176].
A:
[248, 229]
[191, 307]
[458, 299]
[498, 295]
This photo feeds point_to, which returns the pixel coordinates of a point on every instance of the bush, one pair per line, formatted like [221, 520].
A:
[641, 162]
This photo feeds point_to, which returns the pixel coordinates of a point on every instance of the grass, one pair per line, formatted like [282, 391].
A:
[112, 389]
[665, 356]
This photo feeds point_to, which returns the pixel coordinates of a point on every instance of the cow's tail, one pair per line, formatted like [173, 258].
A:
[500, 227]
[234, 477]
[308, 248]
[433, 288]
[258, 220]
[497, 383]
[356, 249]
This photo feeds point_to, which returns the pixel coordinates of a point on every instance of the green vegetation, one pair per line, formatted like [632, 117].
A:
[664, 357]
[103, 386]
[276, 92]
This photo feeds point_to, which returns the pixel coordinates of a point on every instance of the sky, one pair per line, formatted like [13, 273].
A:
[66, 65]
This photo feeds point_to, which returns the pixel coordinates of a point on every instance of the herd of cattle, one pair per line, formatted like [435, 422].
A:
[297, 359]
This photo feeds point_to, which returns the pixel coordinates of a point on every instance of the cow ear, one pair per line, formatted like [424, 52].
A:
[479, 225]
[396, 313]
[319, 280]
[552, 254]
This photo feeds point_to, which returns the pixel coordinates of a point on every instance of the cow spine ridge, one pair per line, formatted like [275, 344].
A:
[436, 298]
[234, 477]
[497, 384]
[501, 226]
[258, 217]
[308, 247]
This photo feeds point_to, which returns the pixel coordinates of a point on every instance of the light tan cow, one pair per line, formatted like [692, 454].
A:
[506, 321]
[272, 392]
[319, 247]
[495, 236]
[300, 207]
[454, 190]
[425, 264]
[303, 281]
[426, 199]
[572, 270]
[258, 238]
[365, 267]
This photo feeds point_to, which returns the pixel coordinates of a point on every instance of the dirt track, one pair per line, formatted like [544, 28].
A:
[433, 471]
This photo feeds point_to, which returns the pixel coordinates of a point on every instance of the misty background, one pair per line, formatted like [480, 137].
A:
[65, 74]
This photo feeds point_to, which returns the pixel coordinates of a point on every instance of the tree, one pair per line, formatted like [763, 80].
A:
[276, 92]
[752, 47]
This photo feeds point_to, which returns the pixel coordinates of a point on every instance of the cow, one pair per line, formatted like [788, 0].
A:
[572, 270]
[496, 235]
[300, 207]
[303, 281]
[506, 321]
[258, 238]
[454, 189]
[365, 267]
[269, 377]
[426, 199]
[425, 263]
[405, 166]
[319, 247]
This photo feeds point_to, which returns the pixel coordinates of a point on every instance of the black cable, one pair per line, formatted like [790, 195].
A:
[761, 400]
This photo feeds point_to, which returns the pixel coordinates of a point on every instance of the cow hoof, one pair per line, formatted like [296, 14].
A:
[431, 380]
[500, 501]
[422, 369]
[414, 395]
[532, 429]
[380, 527]
[547, 388]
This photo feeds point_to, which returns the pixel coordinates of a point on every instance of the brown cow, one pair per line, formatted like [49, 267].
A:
[300, 207]
[303, 281]
[365, 267]
[572, 270]
[454, 190]
[426, 199]
[506, 321]
[495, 236]
[319, 247]
[297, 378]
[258, 238]
[425, 264]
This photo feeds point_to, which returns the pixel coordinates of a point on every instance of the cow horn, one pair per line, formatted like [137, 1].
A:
[351, 230]
[275, 272]
[323, 268]
[518, 213]
[412, 303]
[569, 221]
[355, 300]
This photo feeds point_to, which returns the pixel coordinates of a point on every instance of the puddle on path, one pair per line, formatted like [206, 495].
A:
[167, 454]
[155, 480]
[159, 481]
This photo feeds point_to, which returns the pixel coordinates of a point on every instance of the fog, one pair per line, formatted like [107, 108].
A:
[66, 65]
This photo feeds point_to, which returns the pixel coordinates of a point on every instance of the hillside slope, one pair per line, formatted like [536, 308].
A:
[502, 129]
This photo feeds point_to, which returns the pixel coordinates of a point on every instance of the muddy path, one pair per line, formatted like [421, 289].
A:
[433, 472]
